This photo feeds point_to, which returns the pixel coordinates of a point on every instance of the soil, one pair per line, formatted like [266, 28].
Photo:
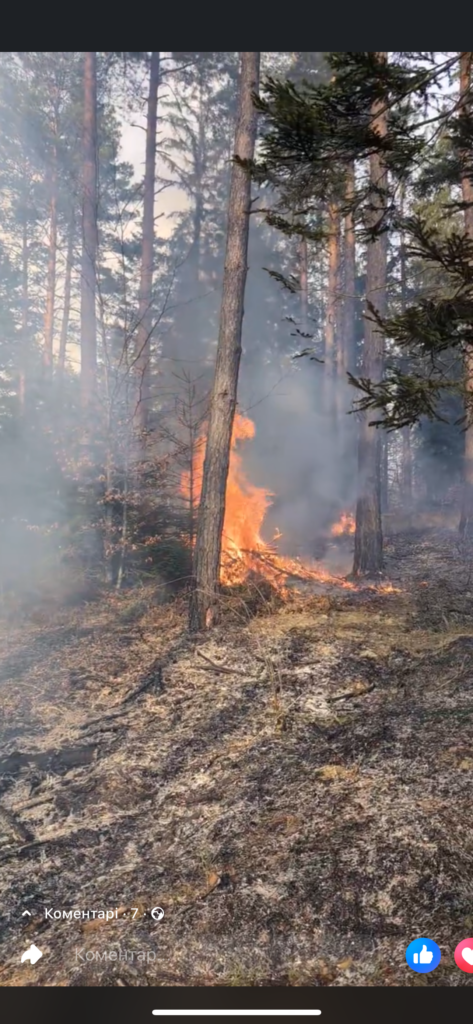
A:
[293, 788]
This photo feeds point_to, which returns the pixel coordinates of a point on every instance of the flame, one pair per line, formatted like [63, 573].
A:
[345, 525]
[243, 549]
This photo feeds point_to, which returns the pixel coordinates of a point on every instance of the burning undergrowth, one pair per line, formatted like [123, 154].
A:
[246, 556]
[293, 790]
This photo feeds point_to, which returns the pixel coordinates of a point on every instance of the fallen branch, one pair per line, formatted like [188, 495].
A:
[34, 803]
[213, 667]
[351, 693]
[105, 718]
[154, 680]
[218, 668]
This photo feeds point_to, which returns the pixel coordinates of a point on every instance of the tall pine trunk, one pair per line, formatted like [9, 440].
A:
[22, 378]
[88, 327]
[465, 525]
[145, 315]
[349, 277]
[406, 446]
[66, 312]
[331, 317]
[368, 533]
[51, 274]
[224, 390]
[304, 285]
[346, 350]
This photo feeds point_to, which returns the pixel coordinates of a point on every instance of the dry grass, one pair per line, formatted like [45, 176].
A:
[290, 839]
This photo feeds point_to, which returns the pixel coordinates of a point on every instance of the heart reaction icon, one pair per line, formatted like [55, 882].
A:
[464, 955]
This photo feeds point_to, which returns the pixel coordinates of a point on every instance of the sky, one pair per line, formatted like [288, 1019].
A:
[169, 201]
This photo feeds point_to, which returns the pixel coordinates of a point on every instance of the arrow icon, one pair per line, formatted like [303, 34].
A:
[26, 912]
[33, 954]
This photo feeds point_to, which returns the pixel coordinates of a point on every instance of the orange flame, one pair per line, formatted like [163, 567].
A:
[345, 525]
[243, 549]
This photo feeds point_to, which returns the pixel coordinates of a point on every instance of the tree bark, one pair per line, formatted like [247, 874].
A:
[303, 284]
[349, 278]
[51, 275]
[145, 318]
[88, 326]
[203, 608]
[346, 348]
[67, 301]
[406, 447]
[384, 472]
[466, 519]
[332, 303]
[368, 534]
[24, 315]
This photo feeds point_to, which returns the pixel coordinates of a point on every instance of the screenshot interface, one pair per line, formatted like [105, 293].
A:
[236, 528]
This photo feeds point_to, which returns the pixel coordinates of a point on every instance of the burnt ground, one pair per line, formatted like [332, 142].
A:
[297, 799]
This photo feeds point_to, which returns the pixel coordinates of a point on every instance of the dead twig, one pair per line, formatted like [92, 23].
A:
[154, 681]
[218, 668]
[28, 806]
[351, 693]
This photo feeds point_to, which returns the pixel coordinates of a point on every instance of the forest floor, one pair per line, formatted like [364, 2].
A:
[294, 792]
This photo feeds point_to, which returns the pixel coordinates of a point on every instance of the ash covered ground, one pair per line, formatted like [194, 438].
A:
[293, 788]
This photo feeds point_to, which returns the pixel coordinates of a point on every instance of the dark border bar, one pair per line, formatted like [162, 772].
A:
[337, 1005]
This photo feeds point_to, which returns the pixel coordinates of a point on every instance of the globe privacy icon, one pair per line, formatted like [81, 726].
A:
[423, 955]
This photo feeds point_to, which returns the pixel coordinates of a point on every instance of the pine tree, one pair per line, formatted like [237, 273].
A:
[224, 390]
[89, 232]
[368, 534]
[145, 310]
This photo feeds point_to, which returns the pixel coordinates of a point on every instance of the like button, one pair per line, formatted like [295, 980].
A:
[423, 955]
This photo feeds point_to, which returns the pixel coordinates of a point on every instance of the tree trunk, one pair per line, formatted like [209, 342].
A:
[406, 469]
[349, 278]
[406, 448]
[67, 301]
[224, 389]
[145, 318]
[332, 304]
[384, 472]
[51, 277]
[368, 534]
[466, 519]
[303, 284]
[88, 327]
[24, 315]
[346, 349]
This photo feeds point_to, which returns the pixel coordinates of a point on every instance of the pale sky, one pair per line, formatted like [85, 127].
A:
[171, 199]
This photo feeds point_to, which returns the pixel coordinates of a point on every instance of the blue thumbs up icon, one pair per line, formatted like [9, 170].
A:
[423, 955]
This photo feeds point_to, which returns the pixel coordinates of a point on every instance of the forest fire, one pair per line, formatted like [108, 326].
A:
[243, 549]
[345, 525]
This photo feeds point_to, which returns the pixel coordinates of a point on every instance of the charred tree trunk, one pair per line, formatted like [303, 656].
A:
[88, 327]
[51, 277]
[145, 318]
[466, 519]
[224, 389]
[369, 534]
[67, 301]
